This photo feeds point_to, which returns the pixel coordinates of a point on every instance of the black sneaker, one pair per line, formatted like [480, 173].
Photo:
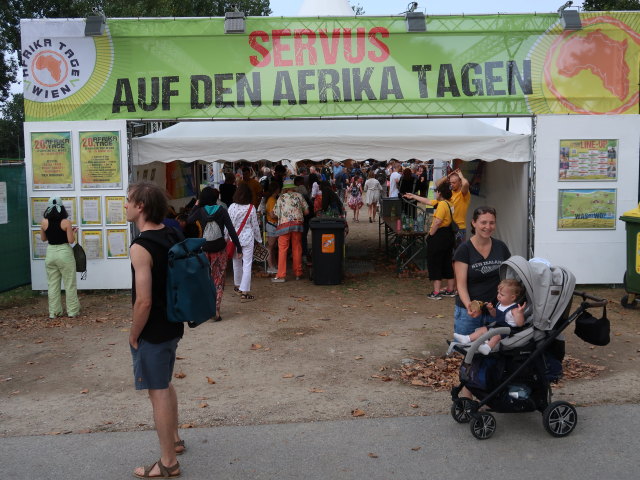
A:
[447, 293]
[435, 296]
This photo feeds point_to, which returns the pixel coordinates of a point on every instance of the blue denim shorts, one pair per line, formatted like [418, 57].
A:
[153, 364]
[464, 324]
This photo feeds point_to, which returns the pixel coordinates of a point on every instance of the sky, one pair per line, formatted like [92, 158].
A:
[286, 8]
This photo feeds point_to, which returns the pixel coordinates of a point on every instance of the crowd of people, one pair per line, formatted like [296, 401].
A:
[279, 205]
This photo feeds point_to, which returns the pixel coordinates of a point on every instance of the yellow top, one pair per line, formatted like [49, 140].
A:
[460, 203]
[442, 212]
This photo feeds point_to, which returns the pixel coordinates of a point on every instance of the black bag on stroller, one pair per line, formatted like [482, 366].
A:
[593, 330]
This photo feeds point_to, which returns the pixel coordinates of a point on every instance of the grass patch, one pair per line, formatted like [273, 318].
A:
[17, 297]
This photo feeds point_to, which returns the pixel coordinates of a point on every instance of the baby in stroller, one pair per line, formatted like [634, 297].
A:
[507, 314]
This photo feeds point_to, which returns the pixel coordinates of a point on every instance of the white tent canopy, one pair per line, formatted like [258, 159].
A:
[382, 139]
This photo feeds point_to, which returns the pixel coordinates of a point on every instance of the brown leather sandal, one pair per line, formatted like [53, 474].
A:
[180, 443]
[165, 472]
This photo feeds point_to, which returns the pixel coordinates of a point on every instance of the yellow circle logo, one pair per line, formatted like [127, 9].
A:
[588, 71]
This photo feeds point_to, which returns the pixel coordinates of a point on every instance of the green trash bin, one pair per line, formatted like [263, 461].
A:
[631, 278]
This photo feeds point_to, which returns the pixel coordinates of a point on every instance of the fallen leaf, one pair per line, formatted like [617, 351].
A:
[180, 375]
[83, 431]
[288, 375]
[414, 405]
[359, 357]
[84, 391]
[357, 413]
[255, 346]
[384, 334]
[187, 425]
[210, 381]
[415, 449]
[180, 358]
[316, 390]
[373, 455]
[39, 341]
[203, 405]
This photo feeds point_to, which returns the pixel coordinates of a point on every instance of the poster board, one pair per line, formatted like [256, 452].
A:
[588, 160]
[100, 166]
[103, 272]
[587, 209]
[51, 161]
[594, 256]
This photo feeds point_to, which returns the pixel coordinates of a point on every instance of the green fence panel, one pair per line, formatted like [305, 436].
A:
[14, 228]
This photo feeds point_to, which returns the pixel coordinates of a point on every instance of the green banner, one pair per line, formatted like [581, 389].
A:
[315, 67]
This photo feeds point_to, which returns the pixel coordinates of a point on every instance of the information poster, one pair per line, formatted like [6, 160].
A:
[114, 211]
[588, 160]
[4, 210]
[90, 211]
[117, 245]
[38, 206]
[92, 244]
[51, 161]
[100, 160]
[39, 251]
[587, 209]
[70, 206]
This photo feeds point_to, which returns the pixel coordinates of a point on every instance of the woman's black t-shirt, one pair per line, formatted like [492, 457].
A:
[483, 274]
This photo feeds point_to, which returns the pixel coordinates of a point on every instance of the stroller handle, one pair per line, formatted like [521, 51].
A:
[595, 301]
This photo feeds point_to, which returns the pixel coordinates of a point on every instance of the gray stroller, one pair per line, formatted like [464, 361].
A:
[518, 376]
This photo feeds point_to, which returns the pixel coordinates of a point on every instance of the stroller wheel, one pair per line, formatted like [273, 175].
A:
[483, 426]
[559, 419]
[461, 410]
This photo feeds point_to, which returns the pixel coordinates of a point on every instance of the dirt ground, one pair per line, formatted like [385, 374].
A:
[299, 353]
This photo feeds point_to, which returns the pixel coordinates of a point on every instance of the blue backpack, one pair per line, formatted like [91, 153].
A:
[191, 294]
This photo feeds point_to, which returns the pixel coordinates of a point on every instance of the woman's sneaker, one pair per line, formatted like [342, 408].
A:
[448, 293]
[435, 296]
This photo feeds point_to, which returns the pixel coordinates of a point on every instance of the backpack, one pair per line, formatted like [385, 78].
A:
[191, 294]
[212, 231]
[81, 260]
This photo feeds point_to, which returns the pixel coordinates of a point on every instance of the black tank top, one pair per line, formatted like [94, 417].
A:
[158, 329]
[55, 234]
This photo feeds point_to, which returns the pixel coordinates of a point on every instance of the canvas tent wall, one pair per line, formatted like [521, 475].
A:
[505, 181]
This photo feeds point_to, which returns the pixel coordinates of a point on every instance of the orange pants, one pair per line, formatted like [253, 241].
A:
[295, 238]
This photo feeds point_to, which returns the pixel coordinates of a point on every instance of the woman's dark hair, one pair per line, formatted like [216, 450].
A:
[243, 195]
[208, 196]
[313, 178]
[229, 178]
[406, 174]
[273, 188]
[153, 199]
[56, 215]
[481, 211]
[444, 189]
[371, 174]
[329, 197]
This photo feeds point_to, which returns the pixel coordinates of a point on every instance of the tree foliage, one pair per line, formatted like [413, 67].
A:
[610, 5]
[11, 136]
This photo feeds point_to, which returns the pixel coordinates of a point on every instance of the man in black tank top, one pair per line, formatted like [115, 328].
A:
[153, 339]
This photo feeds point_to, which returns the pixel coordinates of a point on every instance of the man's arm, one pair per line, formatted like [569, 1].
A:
[141, 262]
[464, 183]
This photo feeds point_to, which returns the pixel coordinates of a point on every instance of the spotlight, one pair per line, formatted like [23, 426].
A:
[570, 19]
[234, 22]
[95, 24]
[415, 20]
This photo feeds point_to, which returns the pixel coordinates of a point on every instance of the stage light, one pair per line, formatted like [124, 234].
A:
[415, 20]
[234, 22]
[95, 24]
[570, 19]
